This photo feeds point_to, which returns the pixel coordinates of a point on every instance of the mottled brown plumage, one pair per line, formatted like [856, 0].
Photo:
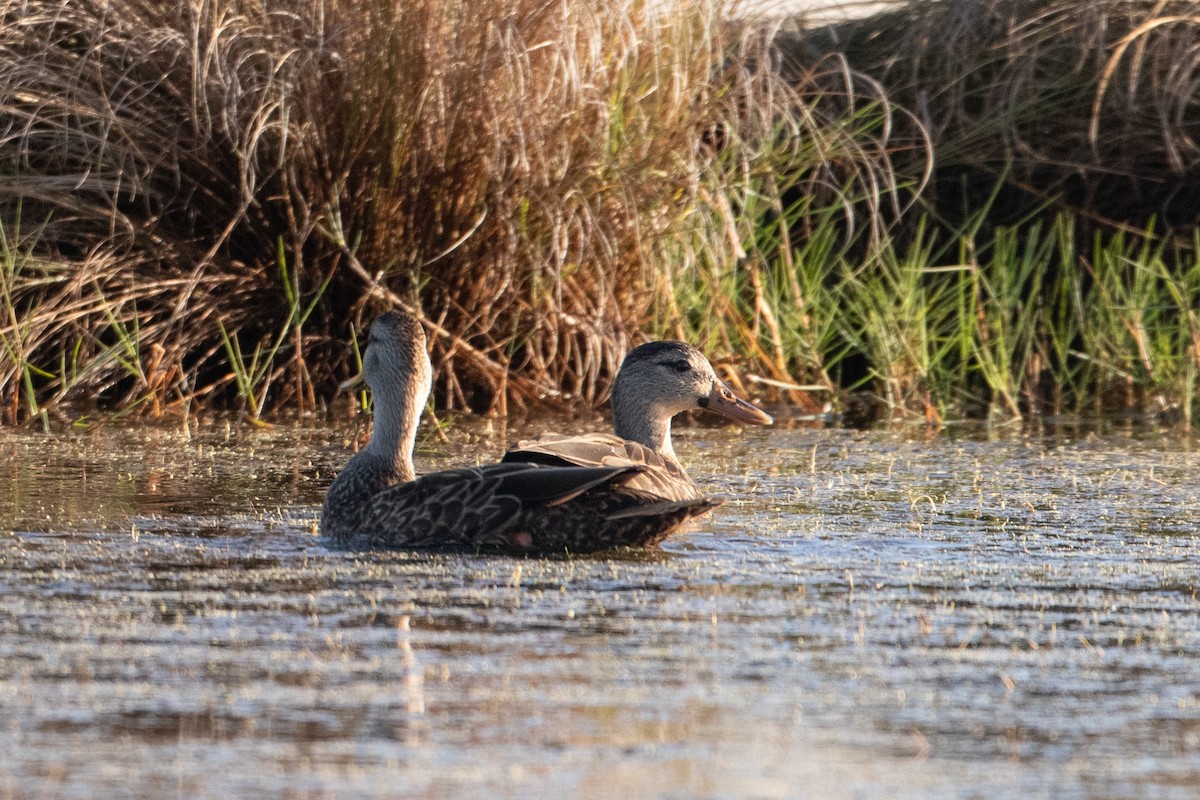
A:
[378, 502]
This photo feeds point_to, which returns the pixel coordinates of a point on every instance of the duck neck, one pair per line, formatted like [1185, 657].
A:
[638, 421]
[394, 434]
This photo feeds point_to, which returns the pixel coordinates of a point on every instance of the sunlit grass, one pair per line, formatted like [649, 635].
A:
[527, 177]
[205, 204]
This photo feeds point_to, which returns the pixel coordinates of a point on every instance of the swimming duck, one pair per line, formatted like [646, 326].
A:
[655, 382]
[378, 502]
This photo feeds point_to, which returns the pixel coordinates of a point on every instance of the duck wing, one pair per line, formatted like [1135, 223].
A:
[475, 508]
[660, 477]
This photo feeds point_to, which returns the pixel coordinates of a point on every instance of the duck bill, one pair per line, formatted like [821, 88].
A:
[723, 401]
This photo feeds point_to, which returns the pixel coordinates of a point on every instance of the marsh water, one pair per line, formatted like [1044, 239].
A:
[889, 614]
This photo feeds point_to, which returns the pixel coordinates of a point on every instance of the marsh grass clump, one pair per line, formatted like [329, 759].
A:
[208, 200]
[142, 150]
[977, 207]
[1050, 265]
[1018, 322]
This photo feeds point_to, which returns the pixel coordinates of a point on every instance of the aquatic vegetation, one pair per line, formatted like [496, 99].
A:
[254, 378]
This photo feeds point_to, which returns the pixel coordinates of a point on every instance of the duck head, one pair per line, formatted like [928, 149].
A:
[661, 379]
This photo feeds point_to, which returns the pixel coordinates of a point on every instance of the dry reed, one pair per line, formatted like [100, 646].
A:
[207, 200]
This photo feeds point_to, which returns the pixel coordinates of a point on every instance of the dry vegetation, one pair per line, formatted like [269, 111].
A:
[1062, 275]
[1094, 106]
[204, 202]
[209, 198]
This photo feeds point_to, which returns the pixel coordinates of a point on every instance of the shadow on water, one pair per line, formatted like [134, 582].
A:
[870, 615]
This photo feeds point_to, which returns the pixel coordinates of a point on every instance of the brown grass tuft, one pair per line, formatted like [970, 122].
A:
[208, 199]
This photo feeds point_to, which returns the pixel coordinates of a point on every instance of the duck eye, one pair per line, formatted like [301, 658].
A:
[680, 366]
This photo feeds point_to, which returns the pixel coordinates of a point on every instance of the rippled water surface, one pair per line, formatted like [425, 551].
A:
[872, 615]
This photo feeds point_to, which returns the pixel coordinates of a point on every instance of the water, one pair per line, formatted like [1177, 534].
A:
[872, 615]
